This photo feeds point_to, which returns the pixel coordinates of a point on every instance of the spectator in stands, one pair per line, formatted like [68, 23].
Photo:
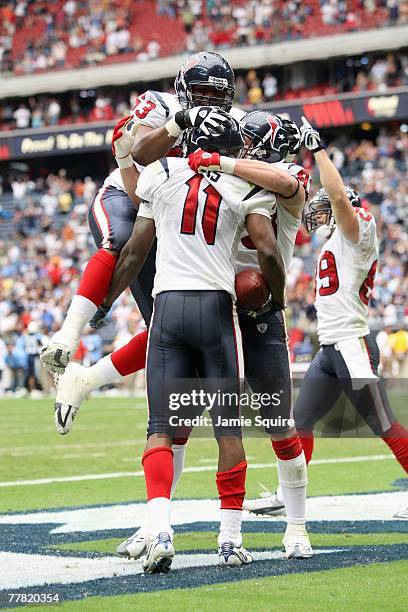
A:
[373, 74]
[103, 29]
[270, 86]
[22, 116]
[53, 111]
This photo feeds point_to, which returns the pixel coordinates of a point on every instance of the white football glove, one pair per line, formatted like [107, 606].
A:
[310, 137]
[211, 121]
[122, 141]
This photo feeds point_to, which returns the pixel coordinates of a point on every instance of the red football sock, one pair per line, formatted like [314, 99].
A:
[97, 277]
[396, 439]
[307, 440]
[132, 357]
[158, 468]
[231, 486]
[288, 448]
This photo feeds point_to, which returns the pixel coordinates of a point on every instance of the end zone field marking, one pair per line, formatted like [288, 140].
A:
[187, 470]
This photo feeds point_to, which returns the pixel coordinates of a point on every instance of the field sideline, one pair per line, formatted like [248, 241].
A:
[363, 551]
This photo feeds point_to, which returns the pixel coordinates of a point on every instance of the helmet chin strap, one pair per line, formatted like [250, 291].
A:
[326, 230]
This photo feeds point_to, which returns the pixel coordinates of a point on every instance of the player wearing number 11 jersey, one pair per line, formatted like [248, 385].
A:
[198, 221]
[348, 359]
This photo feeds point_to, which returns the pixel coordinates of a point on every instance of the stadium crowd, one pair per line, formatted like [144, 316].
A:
[254, 87]
[49, 243]
[57, 34]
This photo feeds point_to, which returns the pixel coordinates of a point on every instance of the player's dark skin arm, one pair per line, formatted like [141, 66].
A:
[270, 259]
[151, 144]
[132, 257]
[130, 176]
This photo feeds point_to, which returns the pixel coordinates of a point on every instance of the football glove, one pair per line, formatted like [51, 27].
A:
[310, 137]
[201, 161]
[293, 134]
[269, 306]
[211, 121]
[122, 140]
[98, 320]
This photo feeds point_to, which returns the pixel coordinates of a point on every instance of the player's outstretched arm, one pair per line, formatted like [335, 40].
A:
[287, 188]
[132, 258]
[270, 259]
[330, 178]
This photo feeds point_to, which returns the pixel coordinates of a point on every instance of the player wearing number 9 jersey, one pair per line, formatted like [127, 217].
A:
[348, 359]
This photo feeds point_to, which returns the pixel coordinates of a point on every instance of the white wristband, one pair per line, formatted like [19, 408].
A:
[227, 164]
[125, 162]
[172, 128]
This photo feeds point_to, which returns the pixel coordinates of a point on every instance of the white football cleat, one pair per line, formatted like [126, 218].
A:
[55, 357]
[233, 556]
[160, 555]
[296, 542]
[402, 514]
[72, 389]
[135, 546]
[267, 504]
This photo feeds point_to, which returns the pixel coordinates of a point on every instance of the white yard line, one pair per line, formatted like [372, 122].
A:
[187, 470]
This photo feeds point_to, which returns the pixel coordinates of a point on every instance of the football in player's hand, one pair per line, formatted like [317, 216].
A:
[251, 289]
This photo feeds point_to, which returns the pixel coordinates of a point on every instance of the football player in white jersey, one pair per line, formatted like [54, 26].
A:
[264, 338]
[349, 357]
[160, 121]
[264, 333]
[198, 220]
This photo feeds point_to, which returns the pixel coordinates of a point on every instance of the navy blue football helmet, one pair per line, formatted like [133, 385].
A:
[206, 70]
[266, 138]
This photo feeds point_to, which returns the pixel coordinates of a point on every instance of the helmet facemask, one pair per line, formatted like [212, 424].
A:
[318, 216]
[206, 71]
[208, 94]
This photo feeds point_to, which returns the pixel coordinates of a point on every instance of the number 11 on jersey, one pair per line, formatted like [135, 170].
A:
[210, 214]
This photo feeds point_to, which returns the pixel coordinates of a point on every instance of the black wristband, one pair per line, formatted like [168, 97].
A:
[105, 309]
[319, 148]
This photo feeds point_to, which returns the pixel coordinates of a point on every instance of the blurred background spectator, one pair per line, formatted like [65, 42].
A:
[356, 74]
[57, 34]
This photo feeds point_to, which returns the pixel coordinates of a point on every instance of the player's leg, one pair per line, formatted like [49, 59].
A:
[78, 382]
[318, 394]
[168, 358]
[213, 329]
[111, 219]
[268, 372]
[373, 405]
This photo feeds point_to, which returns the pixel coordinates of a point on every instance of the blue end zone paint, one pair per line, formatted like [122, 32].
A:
[37, 539]
[196, 577]
[401, 483]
